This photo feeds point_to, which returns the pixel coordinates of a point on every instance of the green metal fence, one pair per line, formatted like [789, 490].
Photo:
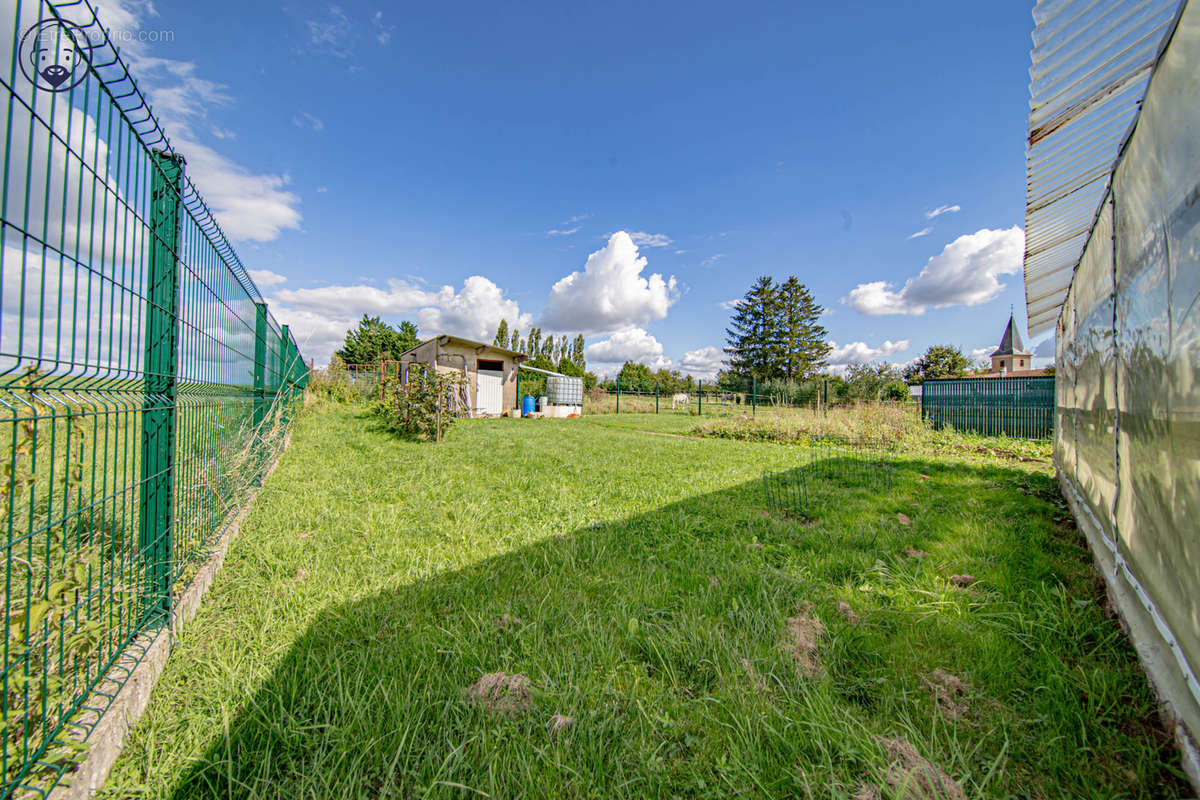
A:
[1021, 407]
[144, 389]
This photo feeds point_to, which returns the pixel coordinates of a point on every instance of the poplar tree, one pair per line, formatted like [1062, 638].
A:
[501, 339]
[577, 352]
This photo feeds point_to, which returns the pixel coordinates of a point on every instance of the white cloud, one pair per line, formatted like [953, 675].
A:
[708, 262]
[610, 293]
[627, 344]
[964, 273]
[332, 34]
[937, 212]
[922, 232]
[861, 352]
[650, 239]
[247, 205]
[562, 232]
[730, 305]
[383, 31]
[703, 362]
[981, 355]
[322, 189]
[265, 278]
[322, 315]
[474, 312]
[356, 300]
[307, 120]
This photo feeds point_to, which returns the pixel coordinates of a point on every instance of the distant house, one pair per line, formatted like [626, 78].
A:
[490, 371]
[1011, 359]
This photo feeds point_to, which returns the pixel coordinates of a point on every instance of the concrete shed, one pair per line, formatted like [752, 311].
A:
[491, 371]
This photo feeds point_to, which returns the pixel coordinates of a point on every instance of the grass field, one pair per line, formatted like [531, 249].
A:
[948, 631]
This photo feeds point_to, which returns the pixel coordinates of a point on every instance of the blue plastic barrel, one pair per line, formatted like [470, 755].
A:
[526, 405]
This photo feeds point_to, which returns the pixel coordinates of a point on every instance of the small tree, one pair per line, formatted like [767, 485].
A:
[867, 381]
[939, 361]
[424, 406]
[634, 373]
[374, 339]
[501, 338]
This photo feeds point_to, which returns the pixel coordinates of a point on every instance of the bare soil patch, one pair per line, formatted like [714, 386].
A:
[802, 638]
[949, 693]
[914, 777]
[500, 693]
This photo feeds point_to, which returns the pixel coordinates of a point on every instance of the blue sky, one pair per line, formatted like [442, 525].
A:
[454, 163]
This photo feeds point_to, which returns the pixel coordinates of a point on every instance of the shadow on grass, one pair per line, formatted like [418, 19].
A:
[660, 635]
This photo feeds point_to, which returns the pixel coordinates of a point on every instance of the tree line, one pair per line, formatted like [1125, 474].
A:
[774, 342]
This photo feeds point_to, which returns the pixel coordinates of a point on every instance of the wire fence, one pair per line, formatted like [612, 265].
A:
[728, 396]
[144, 386]
[829, 467]
[1022, 407]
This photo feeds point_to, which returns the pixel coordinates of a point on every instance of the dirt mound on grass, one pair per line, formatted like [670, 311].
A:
[949, 693]
[914, 777]
[963, 580]
[802, 638]
[507, 623]
[847, 613]
[559, 723]
[500, 693]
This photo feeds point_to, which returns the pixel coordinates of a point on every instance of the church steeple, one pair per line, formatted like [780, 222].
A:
[1011, 354]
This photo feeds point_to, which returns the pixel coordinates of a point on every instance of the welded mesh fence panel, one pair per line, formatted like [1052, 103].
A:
[1022, 407]
[829, 467]
[144, 388]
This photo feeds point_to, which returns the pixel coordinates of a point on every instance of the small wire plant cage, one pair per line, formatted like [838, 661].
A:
[829, 468]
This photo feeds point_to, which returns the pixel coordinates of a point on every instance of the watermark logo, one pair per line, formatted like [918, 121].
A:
[54, 55]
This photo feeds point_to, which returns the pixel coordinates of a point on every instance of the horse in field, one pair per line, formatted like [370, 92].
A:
[679, 399]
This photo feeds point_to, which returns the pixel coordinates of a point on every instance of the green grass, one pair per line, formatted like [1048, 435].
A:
[332, 656]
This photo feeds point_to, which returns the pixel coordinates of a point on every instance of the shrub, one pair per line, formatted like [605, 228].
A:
[896, 390]
[333, 383]
[425, 405]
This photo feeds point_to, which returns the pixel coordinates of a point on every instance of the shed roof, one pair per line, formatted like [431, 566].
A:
[479, 347]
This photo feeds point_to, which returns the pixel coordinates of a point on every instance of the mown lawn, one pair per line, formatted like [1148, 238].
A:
[638, 583]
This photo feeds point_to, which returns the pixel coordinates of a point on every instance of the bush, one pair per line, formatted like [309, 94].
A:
[896, 390]
[333, 383]
[424, 406]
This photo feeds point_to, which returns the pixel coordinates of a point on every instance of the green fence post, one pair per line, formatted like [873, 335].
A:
[158, 414]
[754, 396]
[285, 339]
[699, 398]
[260, 366]
[656, 397]
[618, 395]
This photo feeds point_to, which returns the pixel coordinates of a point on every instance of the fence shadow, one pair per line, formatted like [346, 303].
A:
[660, 635]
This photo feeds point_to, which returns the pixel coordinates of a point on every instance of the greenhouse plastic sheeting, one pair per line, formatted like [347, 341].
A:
[1129, 348]
[1090, 63]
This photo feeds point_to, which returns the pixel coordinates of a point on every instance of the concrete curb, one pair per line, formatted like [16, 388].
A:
[109, 731]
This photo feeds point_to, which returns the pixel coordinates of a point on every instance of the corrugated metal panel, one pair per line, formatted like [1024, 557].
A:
[1091, 62]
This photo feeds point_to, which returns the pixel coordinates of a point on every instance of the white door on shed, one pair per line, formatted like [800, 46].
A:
[489, 392]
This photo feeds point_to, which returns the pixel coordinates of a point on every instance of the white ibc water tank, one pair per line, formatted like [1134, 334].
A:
[564, 391]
